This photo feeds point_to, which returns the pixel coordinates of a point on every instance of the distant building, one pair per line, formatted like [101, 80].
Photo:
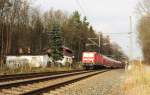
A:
[67, 56]
[37, 60]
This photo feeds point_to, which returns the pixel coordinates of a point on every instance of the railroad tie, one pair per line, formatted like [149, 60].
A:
[25, 88]
[60, 90]
[55, 92]
[9, 92]
[17, 89]
[47, 94]
[33, 85]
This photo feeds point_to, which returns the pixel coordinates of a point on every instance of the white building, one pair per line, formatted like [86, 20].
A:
[13, 61]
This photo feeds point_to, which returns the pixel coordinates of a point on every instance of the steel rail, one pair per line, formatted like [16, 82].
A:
[62, 83]
[6, 85]
[4, 78]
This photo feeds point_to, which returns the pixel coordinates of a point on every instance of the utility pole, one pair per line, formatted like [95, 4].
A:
[131, 39]
[128, 66]
[99, 42]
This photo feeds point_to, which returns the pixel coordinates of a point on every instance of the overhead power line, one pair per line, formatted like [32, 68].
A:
[83, 9]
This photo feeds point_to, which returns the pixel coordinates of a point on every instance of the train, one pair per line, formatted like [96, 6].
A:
[94, 60]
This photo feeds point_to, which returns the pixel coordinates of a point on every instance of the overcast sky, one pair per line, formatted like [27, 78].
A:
[107, 16]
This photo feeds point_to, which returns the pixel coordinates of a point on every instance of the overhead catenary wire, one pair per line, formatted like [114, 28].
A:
[89, 17]
[84, 12]
[84, 4]
[83, 9]
[80, 7]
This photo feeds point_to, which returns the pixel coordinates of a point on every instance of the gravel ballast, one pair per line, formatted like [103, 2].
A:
[108, 83]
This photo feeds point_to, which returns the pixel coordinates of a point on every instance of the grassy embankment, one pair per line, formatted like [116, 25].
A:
[26, 69]
[137, 80]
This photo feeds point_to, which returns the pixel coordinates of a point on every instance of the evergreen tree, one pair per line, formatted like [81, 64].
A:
[56, 42]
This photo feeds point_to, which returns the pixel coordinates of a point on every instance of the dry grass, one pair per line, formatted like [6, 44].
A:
[137, 80]
[26, 69]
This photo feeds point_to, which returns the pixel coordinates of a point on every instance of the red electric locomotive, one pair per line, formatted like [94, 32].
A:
[93, 60]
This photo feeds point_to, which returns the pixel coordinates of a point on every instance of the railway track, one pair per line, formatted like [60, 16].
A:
[38, 86]
[5, 78]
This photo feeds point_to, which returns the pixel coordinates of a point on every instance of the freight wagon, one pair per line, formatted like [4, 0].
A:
[93, 60]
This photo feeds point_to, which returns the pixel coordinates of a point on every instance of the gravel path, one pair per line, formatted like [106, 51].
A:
[108, 83]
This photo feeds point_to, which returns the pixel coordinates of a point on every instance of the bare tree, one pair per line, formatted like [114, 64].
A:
[4, 9]
[13, 18]
[143, 7]
[144, 28]
[144, 36]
